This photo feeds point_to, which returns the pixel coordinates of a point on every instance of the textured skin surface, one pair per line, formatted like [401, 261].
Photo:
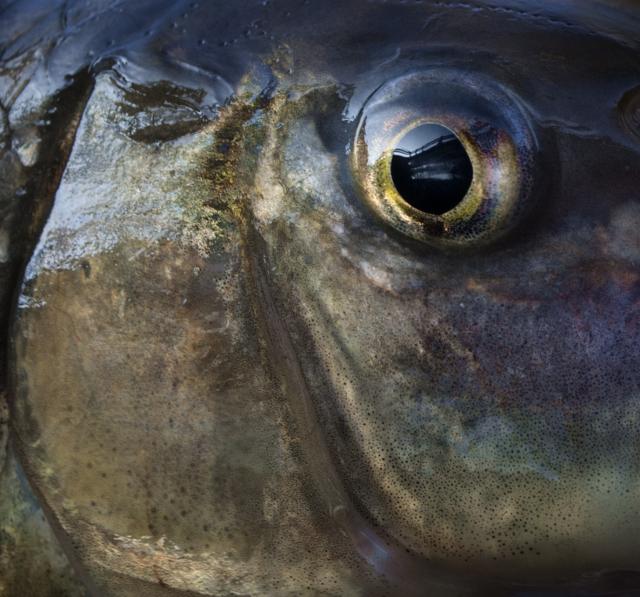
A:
[31, 560]
[229, 377]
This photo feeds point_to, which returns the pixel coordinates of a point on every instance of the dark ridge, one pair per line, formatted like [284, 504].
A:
[30, 213]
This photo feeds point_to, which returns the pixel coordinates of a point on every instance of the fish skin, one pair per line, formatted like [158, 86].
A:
[230, 259]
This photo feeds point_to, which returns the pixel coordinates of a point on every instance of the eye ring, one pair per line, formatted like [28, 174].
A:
[492, 128]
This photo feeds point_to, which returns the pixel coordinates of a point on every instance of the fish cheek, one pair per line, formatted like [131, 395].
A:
[464, 408]
[121, 316]
[157, 439]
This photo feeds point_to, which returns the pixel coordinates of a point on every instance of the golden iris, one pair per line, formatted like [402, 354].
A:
[491, 127]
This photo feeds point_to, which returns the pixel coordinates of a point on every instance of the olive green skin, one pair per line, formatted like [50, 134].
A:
[229, 375]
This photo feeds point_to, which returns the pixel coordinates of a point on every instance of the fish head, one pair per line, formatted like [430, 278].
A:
[241, 356]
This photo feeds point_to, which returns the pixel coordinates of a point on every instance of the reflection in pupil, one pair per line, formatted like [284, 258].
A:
[431, 169]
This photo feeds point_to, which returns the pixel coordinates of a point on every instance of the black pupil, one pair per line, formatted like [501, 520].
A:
[431, 169]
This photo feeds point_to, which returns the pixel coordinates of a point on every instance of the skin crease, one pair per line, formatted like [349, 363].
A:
[228, 375]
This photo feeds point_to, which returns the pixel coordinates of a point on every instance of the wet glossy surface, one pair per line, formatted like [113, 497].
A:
[232, 372]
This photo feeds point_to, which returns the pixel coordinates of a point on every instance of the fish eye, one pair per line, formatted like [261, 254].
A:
[446, 158]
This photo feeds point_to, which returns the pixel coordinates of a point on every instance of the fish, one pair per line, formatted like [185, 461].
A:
[320, 298]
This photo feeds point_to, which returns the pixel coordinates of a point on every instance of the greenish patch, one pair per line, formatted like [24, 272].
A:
[31, 561]
[221, 177]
